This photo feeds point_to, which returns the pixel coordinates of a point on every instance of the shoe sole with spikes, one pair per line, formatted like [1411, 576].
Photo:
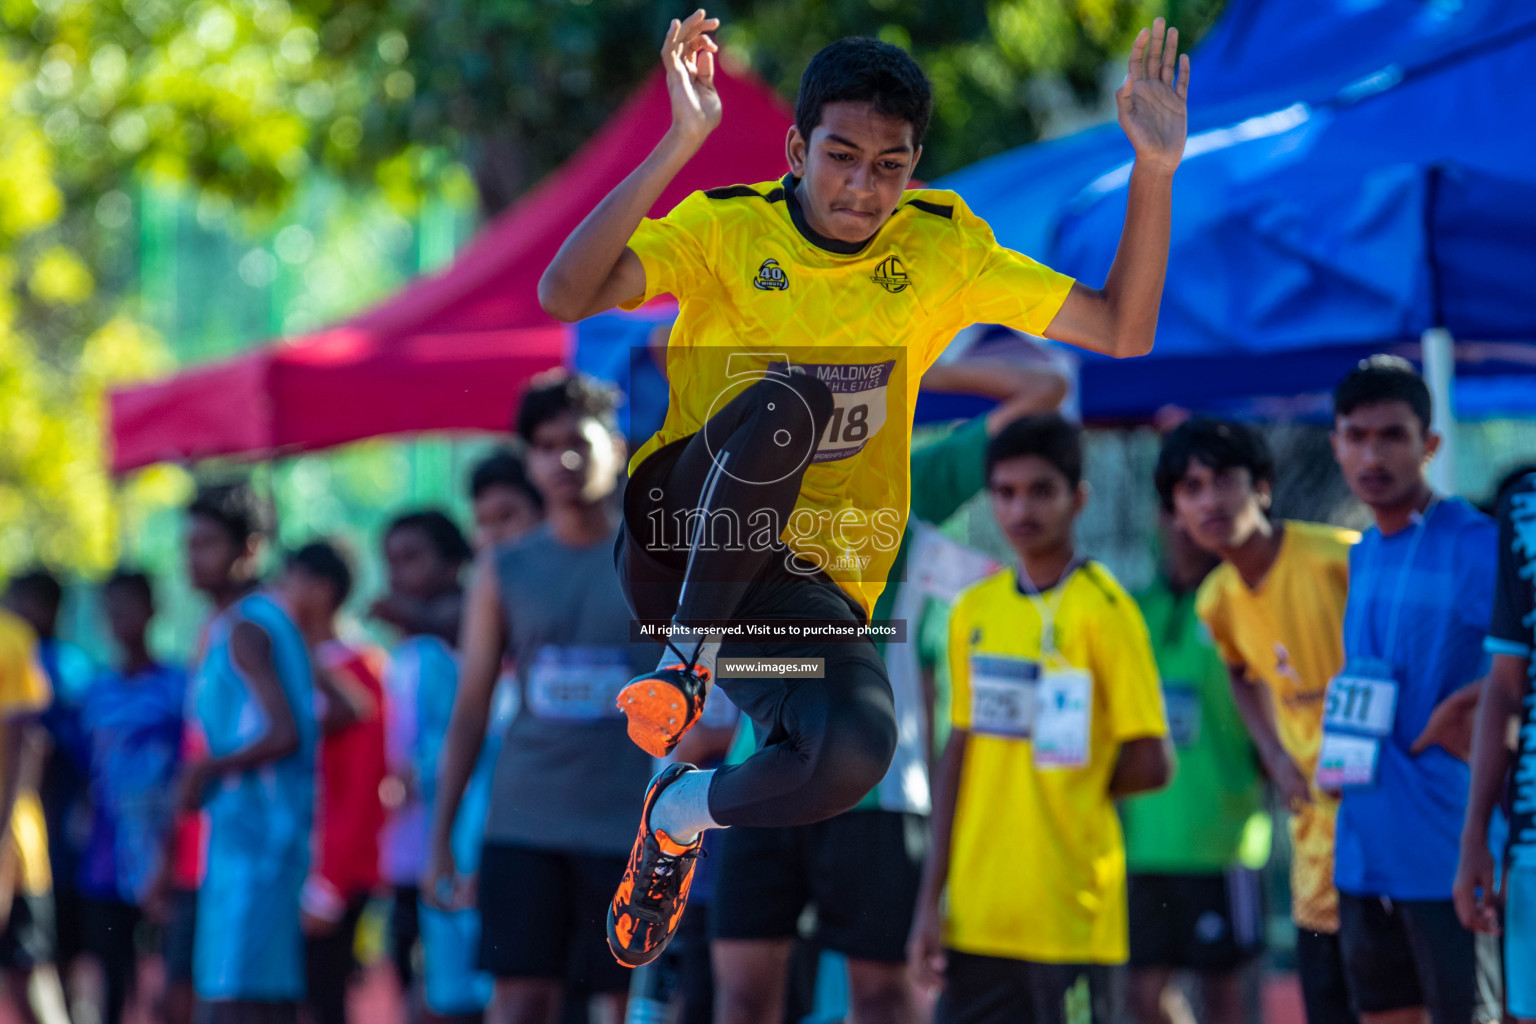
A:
[661, 706]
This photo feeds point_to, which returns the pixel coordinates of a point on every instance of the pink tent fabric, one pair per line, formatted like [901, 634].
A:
[450, 351]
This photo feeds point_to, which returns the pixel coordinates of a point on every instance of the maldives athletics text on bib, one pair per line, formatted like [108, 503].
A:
[859, 395]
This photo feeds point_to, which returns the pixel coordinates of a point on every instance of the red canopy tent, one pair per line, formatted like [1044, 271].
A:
[450, 351]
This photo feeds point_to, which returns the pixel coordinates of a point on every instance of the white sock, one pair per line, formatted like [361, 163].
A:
[687, 640]
[682, 810]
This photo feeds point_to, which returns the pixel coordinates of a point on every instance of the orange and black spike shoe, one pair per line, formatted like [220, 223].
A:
[664, 704]
[644, 913]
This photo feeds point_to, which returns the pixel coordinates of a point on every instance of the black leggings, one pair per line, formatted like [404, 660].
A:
[825, 742]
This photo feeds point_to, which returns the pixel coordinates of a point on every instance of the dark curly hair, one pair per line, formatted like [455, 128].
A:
[441, 532]
[235, 508]
[861, 70]
[557, 392]
[1215, 444]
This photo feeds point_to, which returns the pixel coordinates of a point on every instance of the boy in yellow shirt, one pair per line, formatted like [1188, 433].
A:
[26, 901]
[1275, 607]
[1057, 712]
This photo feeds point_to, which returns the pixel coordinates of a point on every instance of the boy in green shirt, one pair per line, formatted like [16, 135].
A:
[1192, 850]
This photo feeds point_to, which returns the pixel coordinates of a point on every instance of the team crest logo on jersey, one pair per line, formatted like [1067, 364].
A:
[770, 277]
[891, 275]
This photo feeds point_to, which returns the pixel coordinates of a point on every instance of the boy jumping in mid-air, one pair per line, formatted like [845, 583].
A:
[775, 490]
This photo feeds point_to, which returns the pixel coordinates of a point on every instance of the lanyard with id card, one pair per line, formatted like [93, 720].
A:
[1358, 713]
[1360, 707]
[1063, 717]
[1063, 706]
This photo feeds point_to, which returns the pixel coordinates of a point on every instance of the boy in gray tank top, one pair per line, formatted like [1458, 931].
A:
[568, 782]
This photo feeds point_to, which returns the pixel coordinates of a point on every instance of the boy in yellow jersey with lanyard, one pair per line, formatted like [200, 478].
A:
[1275, 607]
[1057, 713]
[776, 488]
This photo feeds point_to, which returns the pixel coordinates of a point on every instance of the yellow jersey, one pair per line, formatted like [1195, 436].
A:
[1037, 860]
[761, 292]
[1288, 632]
[24, 691]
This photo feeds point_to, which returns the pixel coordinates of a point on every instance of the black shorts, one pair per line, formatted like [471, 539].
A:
[1403, 953]
[1324, 987]
[861, 871]
[829, 741]
[543, 914]
[180, 937]
[996, 990]
[29, 939]
[1210, 923]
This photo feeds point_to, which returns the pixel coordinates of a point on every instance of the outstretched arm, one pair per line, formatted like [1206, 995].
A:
[1120, 319]
[1018, 390]
[595, 270]
[1498, 712]
[250, 649]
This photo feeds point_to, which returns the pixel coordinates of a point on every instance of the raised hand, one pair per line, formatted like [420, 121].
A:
[688, 55]
[1152, 102]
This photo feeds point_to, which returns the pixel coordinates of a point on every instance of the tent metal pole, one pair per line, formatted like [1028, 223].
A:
[1439, 353]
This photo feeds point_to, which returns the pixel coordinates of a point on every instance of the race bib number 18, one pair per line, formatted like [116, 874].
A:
[859, 394]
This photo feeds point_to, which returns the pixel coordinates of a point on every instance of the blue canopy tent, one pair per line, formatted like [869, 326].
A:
[1322, 231]
[1344, 156]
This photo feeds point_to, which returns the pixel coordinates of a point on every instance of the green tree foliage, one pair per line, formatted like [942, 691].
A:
[245, 102]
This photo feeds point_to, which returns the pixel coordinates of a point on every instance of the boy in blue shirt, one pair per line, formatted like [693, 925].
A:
[1396, 724]
[252, 701]
[1508, 697]
[133, 723]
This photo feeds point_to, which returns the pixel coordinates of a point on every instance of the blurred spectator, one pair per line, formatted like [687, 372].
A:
[1275, 607]
[425, 553]
[37, 597]
[349, 810]
[568, 781]
[506, 503]
[1492, 905]
[1055, 715]
[1398, 723]
[133, 721]
[253, 703]
[1193, 850]
[32, 988]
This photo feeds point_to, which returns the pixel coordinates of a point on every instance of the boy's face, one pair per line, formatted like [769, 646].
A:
[1219, 508]
[212, 554]
[415, 568]
[1382, 450]
[503, 514]
[1035, 504]
[309, 598]
[128, 614]
[852, 169]
[574, 460]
